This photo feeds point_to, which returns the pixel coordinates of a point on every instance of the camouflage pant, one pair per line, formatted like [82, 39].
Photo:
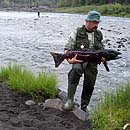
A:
[90, 72]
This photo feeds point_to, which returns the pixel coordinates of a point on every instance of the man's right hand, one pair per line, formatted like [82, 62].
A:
[74, 60]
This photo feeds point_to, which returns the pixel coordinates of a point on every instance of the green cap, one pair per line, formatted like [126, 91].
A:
[93, 16]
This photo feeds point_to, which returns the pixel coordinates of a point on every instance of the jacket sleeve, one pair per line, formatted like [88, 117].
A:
[71, 41]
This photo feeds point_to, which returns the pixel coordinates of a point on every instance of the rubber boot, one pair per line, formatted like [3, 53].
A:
[68, 105]
[70, 98]
[73, 80]
[84, 108]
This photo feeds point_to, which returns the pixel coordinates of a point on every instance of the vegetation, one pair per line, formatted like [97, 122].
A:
[113, 113]
[26, 3]
[40, 87]
[109, 9]
[59, 3]
[75, 3]
[106, 7]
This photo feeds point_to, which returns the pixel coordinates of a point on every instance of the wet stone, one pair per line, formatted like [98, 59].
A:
[7, 127]
[36, 122]
[14, 121]
[30, 102]
[13, 110]
[1, 126]
[81, 114]
[27, 122]
[28, 128]
[54, 103]
[62, 95]
[4, 117]
[2, 108]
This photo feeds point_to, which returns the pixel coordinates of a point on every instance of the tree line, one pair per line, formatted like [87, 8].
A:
[74, 3]
[58, 3]
[26, 3]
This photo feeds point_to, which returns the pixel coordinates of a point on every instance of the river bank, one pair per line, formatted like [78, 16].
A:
[16, 115]
[117, 9]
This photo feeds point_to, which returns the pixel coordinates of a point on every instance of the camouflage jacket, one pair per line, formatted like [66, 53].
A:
[80, 39]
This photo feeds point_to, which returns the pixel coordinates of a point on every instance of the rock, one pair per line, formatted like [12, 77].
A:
[41, 104]
[124, 49]
[119, 46]
[54, 103]
[81, 114]
[109, 30]
[118, 42]
[7, 127]
[109, 44]
[27, 128]
[62, 95]
[123, 39]
[4, 117]
[118, 49]
[14, 121]
[30, 102]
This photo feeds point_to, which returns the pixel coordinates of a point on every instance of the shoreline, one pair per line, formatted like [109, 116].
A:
[48, 11]
[16, 115]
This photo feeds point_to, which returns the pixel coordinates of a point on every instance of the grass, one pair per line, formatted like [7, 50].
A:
[40, 87]
[113, 113]
[108, 9]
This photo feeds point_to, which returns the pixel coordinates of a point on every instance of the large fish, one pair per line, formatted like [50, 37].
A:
[87, 56]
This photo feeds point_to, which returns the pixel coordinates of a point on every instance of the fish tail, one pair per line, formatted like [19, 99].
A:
[58, 58]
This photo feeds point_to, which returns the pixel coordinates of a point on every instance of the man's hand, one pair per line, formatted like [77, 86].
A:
[74, 60]
[103, 60]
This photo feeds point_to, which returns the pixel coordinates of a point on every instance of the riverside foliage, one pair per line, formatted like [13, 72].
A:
[108, 9]
[26, 3]
[58, 3]
[75, 3]
[40, 87]
[113, 113]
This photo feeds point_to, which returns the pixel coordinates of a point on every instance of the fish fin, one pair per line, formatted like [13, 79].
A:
[58, 58]
[106, 66]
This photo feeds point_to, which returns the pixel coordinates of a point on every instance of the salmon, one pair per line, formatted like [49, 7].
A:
[87, 56]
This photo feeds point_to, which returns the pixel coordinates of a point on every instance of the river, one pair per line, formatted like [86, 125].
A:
[27, 40]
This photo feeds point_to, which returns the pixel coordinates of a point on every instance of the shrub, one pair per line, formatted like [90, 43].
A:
[113, 112]
[40, 87]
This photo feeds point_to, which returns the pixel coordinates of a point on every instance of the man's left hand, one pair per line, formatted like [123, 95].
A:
[103, 60]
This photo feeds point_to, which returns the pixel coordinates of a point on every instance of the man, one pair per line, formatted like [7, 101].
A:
[86, 37]
[38, 13]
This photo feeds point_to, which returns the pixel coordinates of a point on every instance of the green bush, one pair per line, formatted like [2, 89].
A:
[108, 9]
[113, 112]
[40, 87]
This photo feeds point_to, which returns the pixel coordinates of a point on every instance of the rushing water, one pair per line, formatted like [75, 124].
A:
[27, 40]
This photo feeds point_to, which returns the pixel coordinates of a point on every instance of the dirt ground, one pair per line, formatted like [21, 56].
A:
[16, 115]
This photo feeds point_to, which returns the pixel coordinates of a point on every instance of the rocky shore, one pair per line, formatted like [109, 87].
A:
[16, 115]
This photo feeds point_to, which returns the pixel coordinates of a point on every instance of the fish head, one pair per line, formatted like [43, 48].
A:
[112, 54]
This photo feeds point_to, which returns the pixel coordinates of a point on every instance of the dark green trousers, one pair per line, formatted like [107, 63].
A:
[90, 72]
